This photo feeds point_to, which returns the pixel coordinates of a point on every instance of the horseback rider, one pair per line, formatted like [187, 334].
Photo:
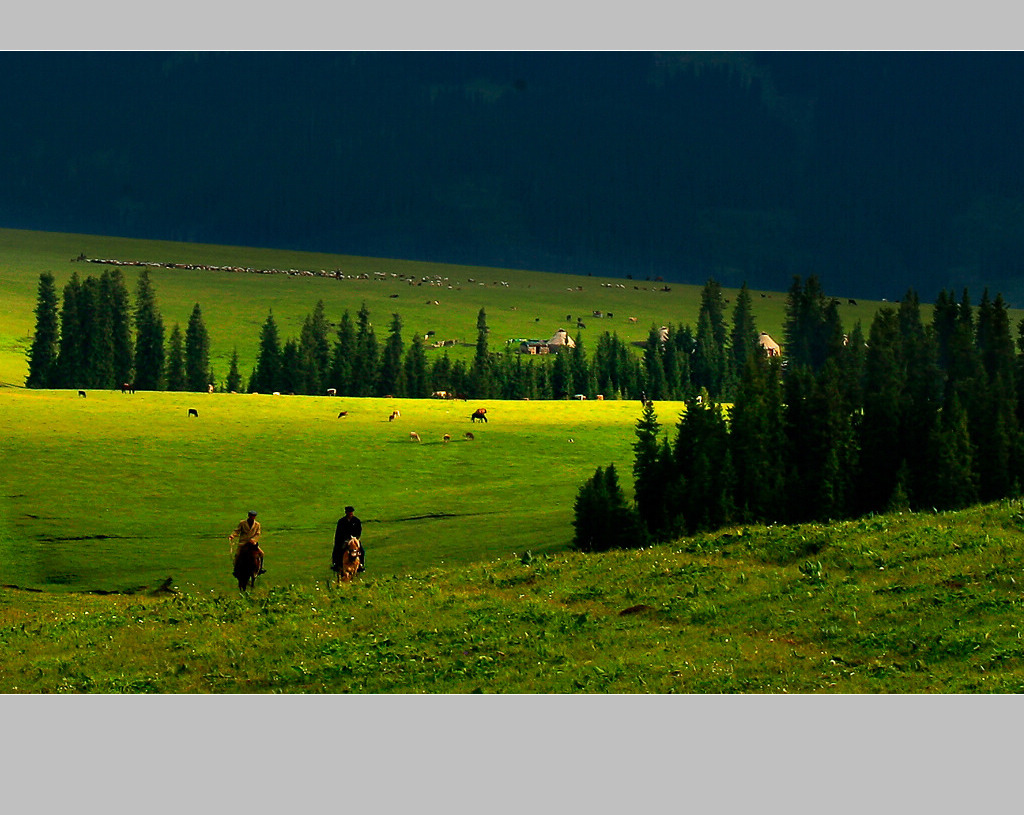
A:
[247, 531]
[348, 526]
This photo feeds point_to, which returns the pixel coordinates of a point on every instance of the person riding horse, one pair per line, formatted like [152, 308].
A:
[248, 532]
[348, 526]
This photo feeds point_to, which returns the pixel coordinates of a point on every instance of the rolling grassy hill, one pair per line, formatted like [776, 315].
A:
[439, 298]
[922, 604]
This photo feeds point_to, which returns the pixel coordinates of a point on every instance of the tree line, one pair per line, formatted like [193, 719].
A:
[94, 336]
[85, 338]
[922, 414]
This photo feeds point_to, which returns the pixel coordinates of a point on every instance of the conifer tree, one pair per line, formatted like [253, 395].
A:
[365, 362]
[197, 352]
[481, 373]
[415, 369]
[579, 371]
[95, 336]
[314, 352]
[289, 380]
[392, 374]
[757, 442]
[342, 359]
[953, 483]
[744, 337]
[653, 367]
[42, 354]
[589, 514]
[561, 375]
[709, 358]
[175, 357]
[234, 380]
[149, 336]
[70, 364]
[602, 518]
[118, 305]
[921, 395]
[704, 463]
[649, 477]
[266, 376]
[880, 449]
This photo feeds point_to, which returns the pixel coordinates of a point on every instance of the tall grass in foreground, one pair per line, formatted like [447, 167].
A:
[889, 604]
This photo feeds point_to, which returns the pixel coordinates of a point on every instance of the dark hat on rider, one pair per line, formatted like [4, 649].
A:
[252, 513]
[350, 509]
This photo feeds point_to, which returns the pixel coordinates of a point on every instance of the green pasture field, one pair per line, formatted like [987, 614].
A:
[533, 305]
[117, 491]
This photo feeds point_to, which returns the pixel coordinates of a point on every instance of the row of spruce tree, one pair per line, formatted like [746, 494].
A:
[95, 337]
[85, 339]
[351, 359]
[921, 414]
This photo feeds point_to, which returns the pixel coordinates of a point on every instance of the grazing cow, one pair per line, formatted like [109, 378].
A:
[469, 436]
[127, 387]
[343, 414]
[193, 412]
[632, 319]
[446, 438]
[414, 436]
[82, 394]
[852, 302]
[332, 391]
[394, 415]
[479, 413]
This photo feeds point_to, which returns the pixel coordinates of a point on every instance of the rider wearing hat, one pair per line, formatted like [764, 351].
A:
[348, 527]
[247, 531]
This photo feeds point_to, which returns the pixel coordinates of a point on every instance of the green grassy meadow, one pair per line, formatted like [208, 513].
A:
[922, 604]
[115, 490]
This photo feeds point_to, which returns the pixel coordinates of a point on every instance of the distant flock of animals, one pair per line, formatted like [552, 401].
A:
[480, 414]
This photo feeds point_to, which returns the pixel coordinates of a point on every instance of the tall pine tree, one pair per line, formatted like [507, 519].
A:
[197, 352]
[42, 354]
[149, 336]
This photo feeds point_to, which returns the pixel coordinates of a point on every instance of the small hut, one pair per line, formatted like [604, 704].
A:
[560, 340]
[771, 348]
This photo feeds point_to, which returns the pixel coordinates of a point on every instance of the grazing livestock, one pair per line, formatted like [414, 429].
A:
[332, 391]
[632, 319]
[852, 302]
[446, 438]
[82, 394]
[127, 387]
[394, 415]
[479, 413]
[469, 436]
[193, 412]
[343, 414]
[414, 436]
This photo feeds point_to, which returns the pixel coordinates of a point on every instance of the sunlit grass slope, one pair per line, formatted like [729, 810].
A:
[114, 491]
[518, 304]
[888, 604]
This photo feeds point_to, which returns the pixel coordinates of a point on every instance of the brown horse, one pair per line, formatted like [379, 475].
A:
[248, 565]
[349, 565]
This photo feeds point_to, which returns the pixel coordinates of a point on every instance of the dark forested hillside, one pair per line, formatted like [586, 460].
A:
[877, 171]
